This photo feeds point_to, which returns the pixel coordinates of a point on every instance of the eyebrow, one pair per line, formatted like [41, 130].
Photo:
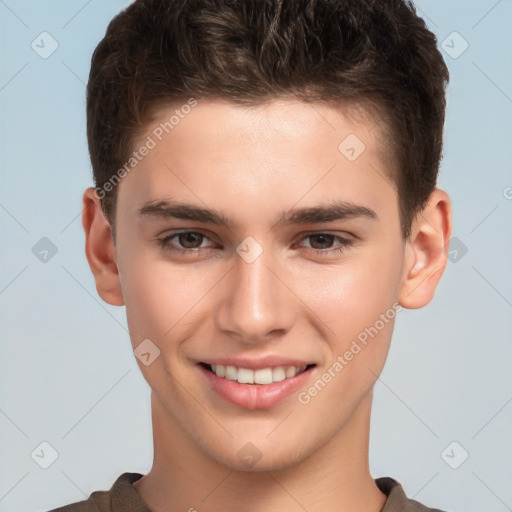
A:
[330, 212]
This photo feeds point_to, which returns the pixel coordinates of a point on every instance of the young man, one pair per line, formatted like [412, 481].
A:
[265, 204]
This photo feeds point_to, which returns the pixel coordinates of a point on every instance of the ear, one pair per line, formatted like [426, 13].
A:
[100, 250]
[426, 251]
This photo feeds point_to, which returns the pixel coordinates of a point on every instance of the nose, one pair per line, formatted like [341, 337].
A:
[257, 305]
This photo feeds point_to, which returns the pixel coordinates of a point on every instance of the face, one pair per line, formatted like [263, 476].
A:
[262, 245]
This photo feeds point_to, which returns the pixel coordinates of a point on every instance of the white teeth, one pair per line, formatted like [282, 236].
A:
[245, 376]
[262, 376]
[291, 371]
[278, 374]
[231, 372]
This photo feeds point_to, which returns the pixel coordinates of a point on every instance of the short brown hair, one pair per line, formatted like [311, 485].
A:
[377, 53]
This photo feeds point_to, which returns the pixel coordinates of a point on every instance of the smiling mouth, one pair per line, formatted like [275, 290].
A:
[263, 376]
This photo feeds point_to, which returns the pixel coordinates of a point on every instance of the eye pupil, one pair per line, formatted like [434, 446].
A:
[189, 238]
[327, 239]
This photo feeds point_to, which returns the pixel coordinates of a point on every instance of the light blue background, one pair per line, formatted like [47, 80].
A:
[68, 375]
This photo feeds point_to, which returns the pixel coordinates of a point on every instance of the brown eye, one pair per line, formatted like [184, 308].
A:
[190, 240]
[183, 242]
[324, 241]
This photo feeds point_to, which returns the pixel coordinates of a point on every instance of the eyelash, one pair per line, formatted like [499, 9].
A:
[164, 243]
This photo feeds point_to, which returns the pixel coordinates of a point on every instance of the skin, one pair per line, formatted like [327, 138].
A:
[253, 165]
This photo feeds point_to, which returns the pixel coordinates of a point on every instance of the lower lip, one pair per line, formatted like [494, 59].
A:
[255, 396]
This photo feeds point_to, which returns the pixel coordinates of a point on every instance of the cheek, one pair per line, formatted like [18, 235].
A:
[166, 301]
[351, 296]
[357, 309]
[160, 297]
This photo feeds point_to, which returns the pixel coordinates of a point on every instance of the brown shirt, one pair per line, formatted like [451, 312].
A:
[122, 497]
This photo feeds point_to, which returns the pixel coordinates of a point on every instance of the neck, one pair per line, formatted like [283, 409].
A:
[335, 478]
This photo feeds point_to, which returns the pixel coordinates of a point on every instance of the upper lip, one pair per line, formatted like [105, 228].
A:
[271, 361]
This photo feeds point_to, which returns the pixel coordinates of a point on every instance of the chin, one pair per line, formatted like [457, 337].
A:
[251, 459]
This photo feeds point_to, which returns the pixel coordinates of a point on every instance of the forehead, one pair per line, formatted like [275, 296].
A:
[292, 119]
[283, 150]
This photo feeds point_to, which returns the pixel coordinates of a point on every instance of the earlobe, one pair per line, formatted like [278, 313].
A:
[100, 250]
[426, 251]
